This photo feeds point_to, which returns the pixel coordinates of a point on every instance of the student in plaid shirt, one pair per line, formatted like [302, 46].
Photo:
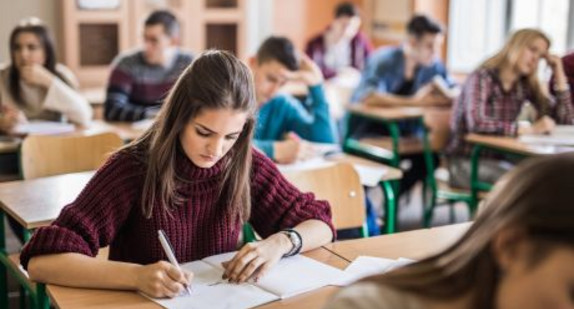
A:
[497, 98]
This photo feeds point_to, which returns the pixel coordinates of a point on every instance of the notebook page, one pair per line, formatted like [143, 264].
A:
[364, 266]
[208, 291]
[298, 274]
[370, 176]
[291, 276]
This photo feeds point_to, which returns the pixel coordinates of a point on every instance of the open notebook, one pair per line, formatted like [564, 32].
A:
[290, 277]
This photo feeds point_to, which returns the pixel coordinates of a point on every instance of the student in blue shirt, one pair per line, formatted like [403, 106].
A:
[403, 76]
[284, 122]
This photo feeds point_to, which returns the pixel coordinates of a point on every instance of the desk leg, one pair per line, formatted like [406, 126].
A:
[390, 207]
[42, 297]
[474, 182]
[3, 267]
[396, 160]
[429, 182]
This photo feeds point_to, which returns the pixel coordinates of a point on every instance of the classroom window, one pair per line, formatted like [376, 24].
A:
[477, 29]
[549, 16]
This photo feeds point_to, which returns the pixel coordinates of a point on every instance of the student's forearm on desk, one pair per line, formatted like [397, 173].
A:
[78, 270]
[315, 233]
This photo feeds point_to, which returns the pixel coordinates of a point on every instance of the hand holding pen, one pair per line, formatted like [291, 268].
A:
[163, 279]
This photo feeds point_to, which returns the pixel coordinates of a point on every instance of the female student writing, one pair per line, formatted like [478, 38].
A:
[497, 95]
[518, 253]
[193, 175]
[33, 86]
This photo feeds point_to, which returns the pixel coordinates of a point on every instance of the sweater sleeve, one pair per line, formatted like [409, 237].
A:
[118, 106]
[315, 123]
[563, 111]
[93, 219]
[277, 204]
[64, 98]
[478, 87]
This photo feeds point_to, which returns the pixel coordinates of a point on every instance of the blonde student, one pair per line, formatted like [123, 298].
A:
[194, 175]
[518, 254]
[498, 97]
[33, 85]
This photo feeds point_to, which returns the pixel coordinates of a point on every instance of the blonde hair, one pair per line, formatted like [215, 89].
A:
[509, 54]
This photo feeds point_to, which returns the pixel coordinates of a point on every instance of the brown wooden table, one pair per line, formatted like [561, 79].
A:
[65, 297]
[37, 202]
[514, 145]
[413, 244]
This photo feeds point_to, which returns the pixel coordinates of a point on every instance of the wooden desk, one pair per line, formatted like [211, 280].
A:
[506, 145]
[413, 244]
[390, 118]
[391, 174]
[386, 113]
[64, 297]
[34, 203]
[515, 146]
[37, 202]
[126, 130]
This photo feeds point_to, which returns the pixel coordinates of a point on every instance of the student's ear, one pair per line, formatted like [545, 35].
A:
[508, 247]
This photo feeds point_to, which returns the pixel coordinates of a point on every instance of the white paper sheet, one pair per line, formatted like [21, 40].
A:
[40, 127]
[364, 266]
[290, 277]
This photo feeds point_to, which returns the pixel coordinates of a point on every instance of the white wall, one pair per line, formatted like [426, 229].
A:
[13, 11]
[260, 25]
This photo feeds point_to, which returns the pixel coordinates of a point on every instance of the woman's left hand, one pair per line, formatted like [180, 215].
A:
[553, 61]
[255, 259]
[36, 74]
[560, 80]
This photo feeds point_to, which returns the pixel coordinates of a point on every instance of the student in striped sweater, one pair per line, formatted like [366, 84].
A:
[193, 174]
[140, 79]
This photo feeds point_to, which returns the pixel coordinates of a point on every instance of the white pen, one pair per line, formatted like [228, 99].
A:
[170, 255]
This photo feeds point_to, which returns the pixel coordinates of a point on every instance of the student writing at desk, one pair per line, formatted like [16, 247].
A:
[276, 63]
[518, 253]
[193, 175]
[494, 97]
[33, 85]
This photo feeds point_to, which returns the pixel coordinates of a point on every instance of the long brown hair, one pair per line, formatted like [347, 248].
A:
[535, 197]
[35, 26]
[509, 54]
[215, 80]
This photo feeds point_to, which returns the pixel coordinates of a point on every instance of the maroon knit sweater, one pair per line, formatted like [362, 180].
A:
[108, 212]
